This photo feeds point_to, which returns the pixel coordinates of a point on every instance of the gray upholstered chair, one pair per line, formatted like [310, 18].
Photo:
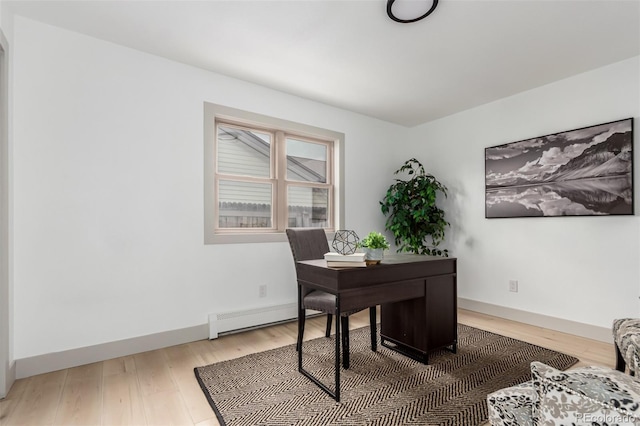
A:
[308, 244]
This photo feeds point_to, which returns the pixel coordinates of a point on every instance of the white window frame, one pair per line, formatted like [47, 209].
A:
[214, 114]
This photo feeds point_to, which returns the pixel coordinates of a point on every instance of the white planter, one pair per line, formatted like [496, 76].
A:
[374, 254]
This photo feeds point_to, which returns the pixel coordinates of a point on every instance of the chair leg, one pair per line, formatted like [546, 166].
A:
[329, 319]
[373, 319]
[345, 341]
[301, 321]
[620, 364]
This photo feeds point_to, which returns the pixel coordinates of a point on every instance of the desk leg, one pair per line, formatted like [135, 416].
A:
[373, 320]
[301, 319]
[337, 366]
[344, 321]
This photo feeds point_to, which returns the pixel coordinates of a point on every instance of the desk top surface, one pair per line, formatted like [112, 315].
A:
[391, 259]
[393, 268]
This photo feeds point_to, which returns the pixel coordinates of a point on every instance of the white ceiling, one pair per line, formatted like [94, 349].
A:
[351, 55]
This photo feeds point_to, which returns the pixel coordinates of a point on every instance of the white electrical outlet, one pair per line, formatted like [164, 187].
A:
[513, 286]
[262, 290]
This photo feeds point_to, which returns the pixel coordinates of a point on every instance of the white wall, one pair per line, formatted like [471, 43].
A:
[582, 269]
[109, 192]
[7, 370]
[108, 196]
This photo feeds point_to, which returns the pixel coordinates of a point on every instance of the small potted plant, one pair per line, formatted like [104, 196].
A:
[374, 245]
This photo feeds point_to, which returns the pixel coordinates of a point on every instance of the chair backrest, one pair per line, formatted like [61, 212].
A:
[307, 244]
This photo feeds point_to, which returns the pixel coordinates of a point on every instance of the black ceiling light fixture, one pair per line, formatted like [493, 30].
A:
[407, 21]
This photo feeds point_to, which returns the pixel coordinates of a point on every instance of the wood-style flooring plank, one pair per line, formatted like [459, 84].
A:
[7, 406]
[153, 373]
[181, 361]
[213, 421]
[125, 364]
[40, 400]
[81, 399]
[122, 400]
[166, 408]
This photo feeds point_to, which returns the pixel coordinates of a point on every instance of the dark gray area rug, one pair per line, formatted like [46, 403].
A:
[380, 388]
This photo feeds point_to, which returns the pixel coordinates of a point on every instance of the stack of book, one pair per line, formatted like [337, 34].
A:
[337, 260]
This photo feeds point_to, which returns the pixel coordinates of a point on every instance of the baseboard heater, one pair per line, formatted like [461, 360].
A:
[234, 321]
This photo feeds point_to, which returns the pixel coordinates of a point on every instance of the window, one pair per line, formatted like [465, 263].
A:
[263, 175]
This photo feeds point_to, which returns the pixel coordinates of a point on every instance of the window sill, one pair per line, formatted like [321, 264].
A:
[247, 238]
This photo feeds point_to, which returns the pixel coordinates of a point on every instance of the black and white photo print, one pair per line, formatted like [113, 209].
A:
[582, 172]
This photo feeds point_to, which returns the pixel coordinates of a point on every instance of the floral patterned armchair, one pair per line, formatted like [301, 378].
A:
[582, 396]
[626, 336]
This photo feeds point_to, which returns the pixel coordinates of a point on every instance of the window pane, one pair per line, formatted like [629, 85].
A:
[243, 152]
[306, 161]
[244, 204]
[308, 207]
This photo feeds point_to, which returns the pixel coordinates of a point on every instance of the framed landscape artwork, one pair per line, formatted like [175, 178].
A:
[581, 172]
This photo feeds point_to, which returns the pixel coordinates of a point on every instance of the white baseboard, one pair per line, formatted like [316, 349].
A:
[227, 323]
[46, 363]
[602, 334]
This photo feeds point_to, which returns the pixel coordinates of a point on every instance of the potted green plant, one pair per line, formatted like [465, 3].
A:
[417, 224]
[374, 244]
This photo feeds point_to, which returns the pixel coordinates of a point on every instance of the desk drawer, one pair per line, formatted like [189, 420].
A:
[394, 272]
[373, 295]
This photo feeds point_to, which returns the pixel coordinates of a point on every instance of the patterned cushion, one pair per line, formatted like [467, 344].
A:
[512, 406]
[584, 396]
[626, 334]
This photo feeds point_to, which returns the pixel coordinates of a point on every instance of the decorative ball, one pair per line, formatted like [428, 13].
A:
[345, 241]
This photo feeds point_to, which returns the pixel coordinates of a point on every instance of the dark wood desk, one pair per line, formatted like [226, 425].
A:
[417, 294]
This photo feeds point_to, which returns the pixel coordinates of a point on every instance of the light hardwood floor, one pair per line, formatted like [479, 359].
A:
[159, 387]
